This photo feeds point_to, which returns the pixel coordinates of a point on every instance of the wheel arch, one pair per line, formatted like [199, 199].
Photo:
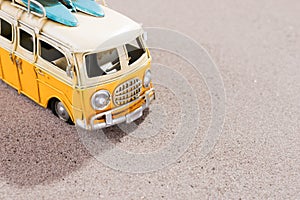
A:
[53, 99]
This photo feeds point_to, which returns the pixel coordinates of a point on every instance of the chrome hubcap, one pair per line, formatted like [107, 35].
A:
[61, 111]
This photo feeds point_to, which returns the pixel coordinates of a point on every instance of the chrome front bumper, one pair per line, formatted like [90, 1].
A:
[128, 118]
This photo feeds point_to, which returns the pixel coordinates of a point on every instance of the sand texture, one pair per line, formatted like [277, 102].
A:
[256, 46]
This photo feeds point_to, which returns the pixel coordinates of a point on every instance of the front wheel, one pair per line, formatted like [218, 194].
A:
[60, 111]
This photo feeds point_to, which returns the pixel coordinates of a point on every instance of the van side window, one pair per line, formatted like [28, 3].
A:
[51, 54]
[6, 29]
[26, 40]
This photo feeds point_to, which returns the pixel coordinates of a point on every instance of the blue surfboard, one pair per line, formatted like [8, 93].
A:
[61, 10]
[55, 11]
[89, 7]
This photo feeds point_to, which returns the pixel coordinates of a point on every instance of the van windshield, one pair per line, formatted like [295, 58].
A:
[102, 63]
[135, 50]
[108, 62]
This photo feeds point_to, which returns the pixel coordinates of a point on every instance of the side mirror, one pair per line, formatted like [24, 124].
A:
[70, 72]
[145, 36]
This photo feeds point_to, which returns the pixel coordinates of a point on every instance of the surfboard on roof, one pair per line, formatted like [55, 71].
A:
[92, 33]
[62, 11]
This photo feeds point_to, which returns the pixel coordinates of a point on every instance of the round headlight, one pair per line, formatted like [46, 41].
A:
[100, 100]
[147, 78]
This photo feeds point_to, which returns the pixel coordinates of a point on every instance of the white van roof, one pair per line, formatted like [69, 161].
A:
[95, 33]
[92, 33]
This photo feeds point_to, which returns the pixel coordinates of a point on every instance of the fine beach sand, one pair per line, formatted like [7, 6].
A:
[256, 46]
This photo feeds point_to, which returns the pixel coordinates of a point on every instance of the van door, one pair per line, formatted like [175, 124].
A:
[25, 62]
[8, 70]
[51, 66]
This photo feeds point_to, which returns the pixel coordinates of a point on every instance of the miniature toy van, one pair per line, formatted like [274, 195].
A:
[90, 67]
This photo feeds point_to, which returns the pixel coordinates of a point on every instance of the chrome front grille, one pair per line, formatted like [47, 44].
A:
[127, 92]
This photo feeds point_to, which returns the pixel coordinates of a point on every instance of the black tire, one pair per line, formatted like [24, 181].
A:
[59, 110]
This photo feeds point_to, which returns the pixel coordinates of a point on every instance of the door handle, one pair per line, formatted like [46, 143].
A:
[39, 72]
[19, 64]
[11, 56]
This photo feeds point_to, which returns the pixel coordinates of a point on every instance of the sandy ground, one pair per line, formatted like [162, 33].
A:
[256, 45]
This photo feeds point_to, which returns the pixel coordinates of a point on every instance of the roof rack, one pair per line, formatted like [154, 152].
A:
[42, 15]
[104, 3]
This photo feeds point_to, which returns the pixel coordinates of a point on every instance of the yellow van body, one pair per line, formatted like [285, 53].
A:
[77, 86]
